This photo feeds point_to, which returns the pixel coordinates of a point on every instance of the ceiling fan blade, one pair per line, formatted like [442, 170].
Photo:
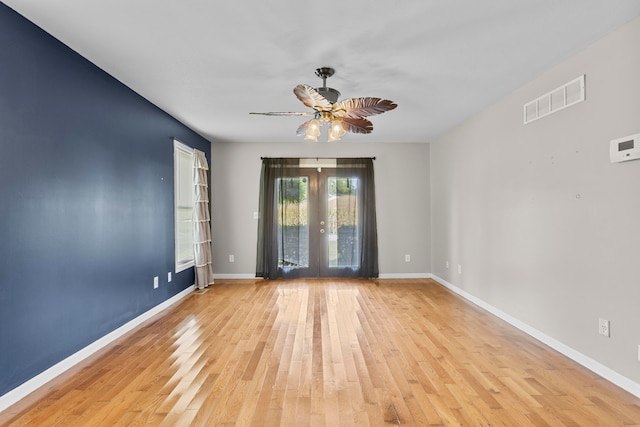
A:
[302, 129]
[285, 113]
[363, 107]
[311, 98]
[357, 125]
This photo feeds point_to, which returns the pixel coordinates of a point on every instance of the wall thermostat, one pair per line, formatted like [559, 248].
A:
[623, 149]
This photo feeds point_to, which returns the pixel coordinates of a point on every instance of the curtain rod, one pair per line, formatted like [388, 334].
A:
[317, 158]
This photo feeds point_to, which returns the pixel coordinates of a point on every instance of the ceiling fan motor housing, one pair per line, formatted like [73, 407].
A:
[328, 92]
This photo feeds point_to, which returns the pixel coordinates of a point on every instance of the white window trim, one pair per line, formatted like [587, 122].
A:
[178, 146]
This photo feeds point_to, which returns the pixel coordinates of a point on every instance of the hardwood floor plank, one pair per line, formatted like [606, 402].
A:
[327, 352]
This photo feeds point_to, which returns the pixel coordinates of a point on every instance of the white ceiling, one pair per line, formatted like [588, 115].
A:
[209, 63]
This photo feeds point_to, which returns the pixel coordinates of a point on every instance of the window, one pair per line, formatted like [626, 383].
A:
[183, 204]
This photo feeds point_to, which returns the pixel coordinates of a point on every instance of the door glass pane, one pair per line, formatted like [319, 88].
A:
[342, 225]
[293, 225]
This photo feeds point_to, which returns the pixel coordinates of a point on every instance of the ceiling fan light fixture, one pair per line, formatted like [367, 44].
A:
[336, 131]
[313, 131]
[332, 138]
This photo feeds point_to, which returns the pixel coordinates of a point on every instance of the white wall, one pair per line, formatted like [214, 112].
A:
[402, 199]
[545, 227]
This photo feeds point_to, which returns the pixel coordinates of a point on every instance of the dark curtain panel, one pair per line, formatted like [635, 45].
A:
[289, 203]
[273, 183]
[365, 235]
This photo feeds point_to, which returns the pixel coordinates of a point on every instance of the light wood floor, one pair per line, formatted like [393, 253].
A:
[327, 352]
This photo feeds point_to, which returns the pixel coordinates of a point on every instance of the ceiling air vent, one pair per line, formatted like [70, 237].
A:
[556, 100]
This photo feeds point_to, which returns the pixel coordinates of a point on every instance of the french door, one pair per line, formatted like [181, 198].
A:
[318, 222]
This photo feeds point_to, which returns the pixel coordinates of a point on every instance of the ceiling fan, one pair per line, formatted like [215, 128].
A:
[344, 116]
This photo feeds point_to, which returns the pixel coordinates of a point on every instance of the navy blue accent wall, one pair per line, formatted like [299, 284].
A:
[86, 207]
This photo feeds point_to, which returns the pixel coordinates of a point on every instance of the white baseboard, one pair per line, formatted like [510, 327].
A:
[236, 276]
[41, 379]
[405, 276]
[382, 276]
[594, 366]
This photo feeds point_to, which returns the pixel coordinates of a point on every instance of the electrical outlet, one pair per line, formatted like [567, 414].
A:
[603, 327]
[459, 269]
[639, 352]
[256, 215]
[156, 282]
[232, 258]
[169, 277]
[407, 258]
[446, 264]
